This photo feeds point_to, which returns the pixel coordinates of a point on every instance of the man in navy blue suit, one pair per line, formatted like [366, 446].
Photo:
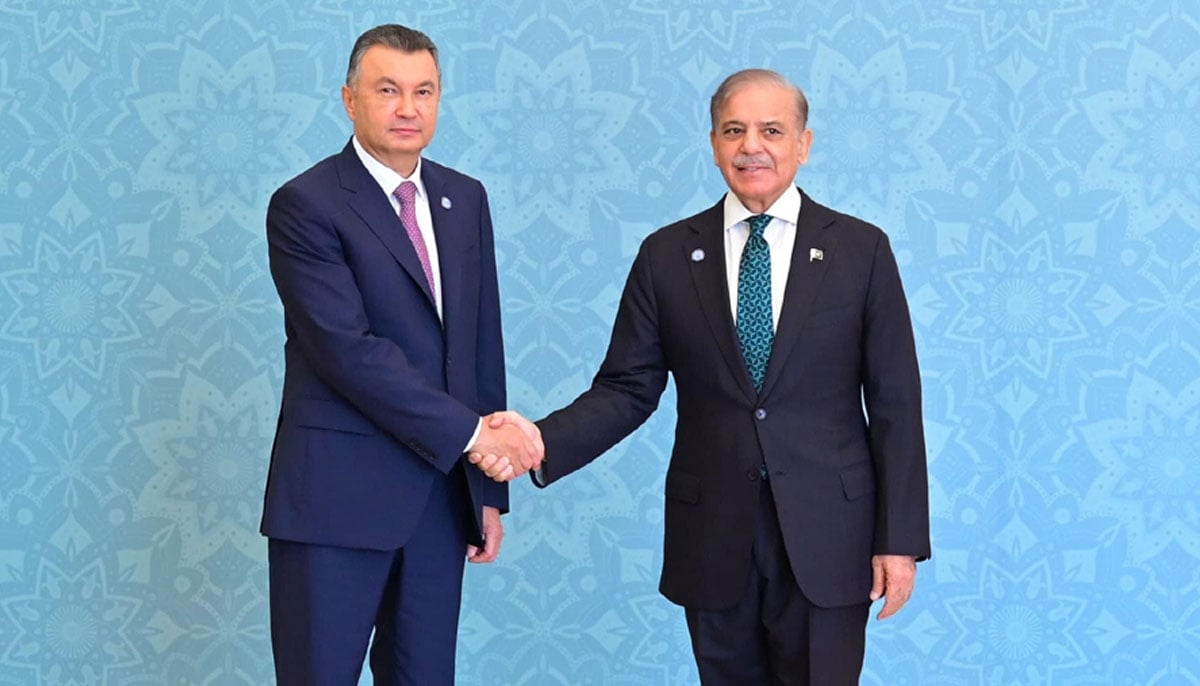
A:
[385, 265]
[788, 510]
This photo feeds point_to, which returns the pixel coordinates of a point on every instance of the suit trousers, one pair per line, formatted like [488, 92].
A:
[774, 634]
[326, 600]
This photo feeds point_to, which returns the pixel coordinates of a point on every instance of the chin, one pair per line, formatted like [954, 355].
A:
[755, 190]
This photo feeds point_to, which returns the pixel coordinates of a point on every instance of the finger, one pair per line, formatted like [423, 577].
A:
[889, 608]
[489, 464]
[491, 546]
[878, 578]
[499, 470]
[497, 419]
[474, 458]
[498, 467]
[508, 474]
[895, 600]
[472, 551]
[899, 587]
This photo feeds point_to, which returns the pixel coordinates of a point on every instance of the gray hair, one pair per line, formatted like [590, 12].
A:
[392, 36]
[766, 76]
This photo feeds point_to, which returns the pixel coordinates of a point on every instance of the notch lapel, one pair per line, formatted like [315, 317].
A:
[712, 290]
[804, 281]
[368, 202]
[452, 241]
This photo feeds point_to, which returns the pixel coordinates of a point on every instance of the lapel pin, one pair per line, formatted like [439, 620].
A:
[816, 255]
[446, 202]
[697, 255]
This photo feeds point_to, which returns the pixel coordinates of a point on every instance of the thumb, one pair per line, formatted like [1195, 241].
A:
[878, 581]
[497, 420]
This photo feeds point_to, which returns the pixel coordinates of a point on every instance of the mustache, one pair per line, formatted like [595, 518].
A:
[753, 161]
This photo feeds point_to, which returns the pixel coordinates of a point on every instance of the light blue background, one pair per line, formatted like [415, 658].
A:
[1037, 165]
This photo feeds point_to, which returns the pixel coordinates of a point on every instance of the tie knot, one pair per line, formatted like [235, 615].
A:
[758, 224]
[406, 192]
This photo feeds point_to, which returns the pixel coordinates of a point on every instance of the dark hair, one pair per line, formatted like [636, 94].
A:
[740, 78]
[392, 36]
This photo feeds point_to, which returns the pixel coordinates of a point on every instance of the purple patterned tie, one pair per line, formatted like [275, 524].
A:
[406, 193]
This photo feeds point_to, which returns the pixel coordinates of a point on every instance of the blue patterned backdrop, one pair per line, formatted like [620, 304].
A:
[1036, 162]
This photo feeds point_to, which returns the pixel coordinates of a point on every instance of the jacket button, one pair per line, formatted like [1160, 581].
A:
[752, 474]
[760, 414]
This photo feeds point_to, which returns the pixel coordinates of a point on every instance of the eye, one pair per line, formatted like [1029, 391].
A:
[733, 131]
[387, 90]
[772, 131]
[425, 91]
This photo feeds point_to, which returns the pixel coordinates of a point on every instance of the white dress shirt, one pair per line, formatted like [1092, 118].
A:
[780, 235]
[389, 180]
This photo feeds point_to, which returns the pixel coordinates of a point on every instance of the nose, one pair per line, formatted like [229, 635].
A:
[751, 142]
[404, 107]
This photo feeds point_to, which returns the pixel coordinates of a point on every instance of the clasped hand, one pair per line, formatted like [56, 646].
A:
[508, 446]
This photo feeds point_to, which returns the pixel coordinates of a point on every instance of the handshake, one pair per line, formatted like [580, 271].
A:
[508, 446]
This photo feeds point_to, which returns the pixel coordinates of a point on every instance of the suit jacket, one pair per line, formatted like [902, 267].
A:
[845, 487]
[379, 396]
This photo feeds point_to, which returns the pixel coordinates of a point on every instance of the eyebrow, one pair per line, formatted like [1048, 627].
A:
[387, 80]
[773, 123]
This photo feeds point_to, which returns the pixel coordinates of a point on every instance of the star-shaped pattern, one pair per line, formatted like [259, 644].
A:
[73, 626]
[72, 305]
[1150, 479]
[225, 139]
[203, 481]
[1016, 628]
[1148, 131]
[548, 134]
[875, 132]
[1016, 305]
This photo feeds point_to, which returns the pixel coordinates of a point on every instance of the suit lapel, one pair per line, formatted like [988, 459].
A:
[452, 240]
[705, 252]
[366, 199]
[804, 280]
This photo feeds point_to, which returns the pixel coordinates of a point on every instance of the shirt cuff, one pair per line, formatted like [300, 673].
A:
[474, 436]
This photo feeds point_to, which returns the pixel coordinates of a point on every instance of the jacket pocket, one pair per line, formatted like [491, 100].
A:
[324, 414]
[858, 480]
[683, 487]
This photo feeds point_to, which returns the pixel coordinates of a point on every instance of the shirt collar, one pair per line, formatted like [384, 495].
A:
[787, 208]
[387, 178]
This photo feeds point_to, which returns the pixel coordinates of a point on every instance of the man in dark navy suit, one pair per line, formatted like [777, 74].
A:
[788, 510]
[385, 265]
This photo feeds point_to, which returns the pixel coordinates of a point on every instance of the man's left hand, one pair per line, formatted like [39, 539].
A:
[493, 531]
[894, 575]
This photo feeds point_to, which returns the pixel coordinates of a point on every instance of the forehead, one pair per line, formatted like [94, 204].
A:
[381, 61]
[759, 101]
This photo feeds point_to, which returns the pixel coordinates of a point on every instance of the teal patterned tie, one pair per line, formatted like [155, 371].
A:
[754, 327]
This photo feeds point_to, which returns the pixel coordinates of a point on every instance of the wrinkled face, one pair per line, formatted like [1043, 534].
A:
[759, 143]
[394, 105]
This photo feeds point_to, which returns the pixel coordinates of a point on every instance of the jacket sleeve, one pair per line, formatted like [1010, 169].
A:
[892, 395]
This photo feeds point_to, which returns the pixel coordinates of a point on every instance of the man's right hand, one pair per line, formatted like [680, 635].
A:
[507, 447]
